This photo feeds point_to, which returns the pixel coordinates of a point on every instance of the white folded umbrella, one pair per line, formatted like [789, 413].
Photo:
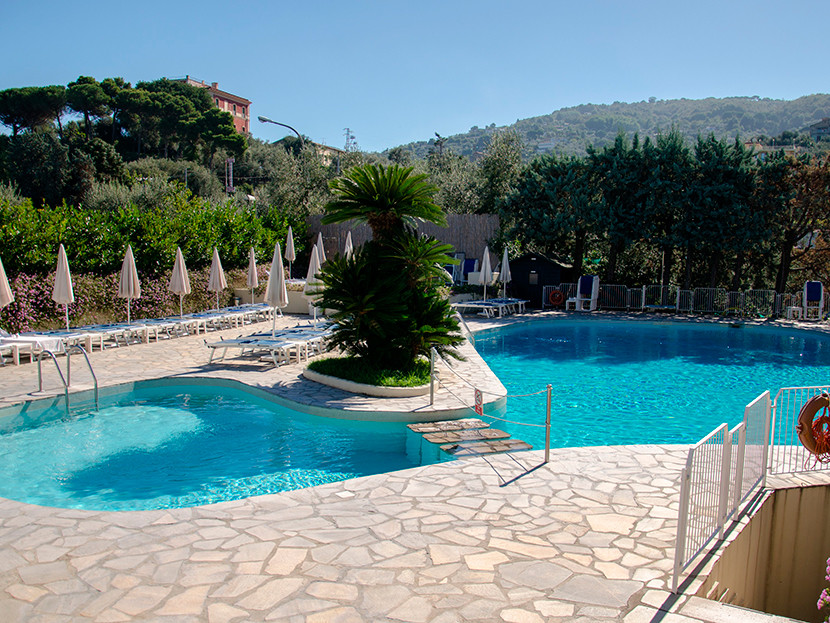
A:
[6, 295]
[62, 293]
[348, 249]
[179, 280]
[504, 275]
[485, 276]
[253, 278]
[276, 294]
[129, 286]
[216, 278]
[290, 255]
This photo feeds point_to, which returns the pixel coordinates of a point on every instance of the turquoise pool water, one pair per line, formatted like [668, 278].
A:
[634, 382]
[186, 445]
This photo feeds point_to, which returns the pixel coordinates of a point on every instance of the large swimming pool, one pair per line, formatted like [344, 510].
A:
[170, 446]
[635, 382]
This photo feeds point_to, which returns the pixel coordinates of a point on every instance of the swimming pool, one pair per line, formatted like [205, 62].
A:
[178, 445]
[636, 382]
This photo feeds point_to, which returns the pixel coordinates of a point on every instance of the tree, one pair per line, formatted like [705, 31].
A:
[39, 166]
[499, 169]
[31, 107]
[86, 97]
[386, 297]
[620, 174]
[387, 198]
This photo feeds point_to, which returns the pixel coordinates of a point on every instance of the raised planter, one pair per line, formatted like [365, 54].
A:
[362, 388]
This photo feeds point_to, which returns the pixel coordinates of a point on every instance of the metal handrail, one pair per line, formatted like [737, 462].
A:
[464, 324]
[88, 365]
[40, 375]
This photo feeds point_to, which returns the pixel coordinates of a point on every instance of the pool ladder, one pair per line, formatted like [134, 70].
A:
[67, 381]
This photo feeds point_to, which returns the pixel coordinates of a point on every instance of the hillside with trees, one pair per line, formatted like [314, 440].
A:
[571, 130]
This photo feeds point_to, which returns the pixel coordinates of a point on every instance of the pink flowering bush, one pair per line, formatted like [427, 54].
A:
[824, 598]
[97, 302]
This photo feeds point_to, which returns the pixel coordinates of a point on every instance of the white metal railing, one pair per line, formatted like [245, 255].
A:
[709, 301]
[759, 303]
[735, 303]
[787, 454]
[702, 501]
[660, 297]
[685, 298]
[635, 298]
[722, 472]
[546, 292]
[613, 297]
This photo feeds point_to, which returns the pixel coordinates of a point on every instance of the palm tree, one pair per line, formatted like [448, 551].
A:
[386, 298]
[387, 198]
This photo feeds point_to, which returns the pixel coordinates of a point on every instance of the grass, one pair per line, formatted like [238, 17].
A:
[360, 370]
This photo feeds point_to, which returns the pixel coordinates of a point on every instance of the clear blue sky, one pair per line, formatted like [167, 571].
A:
[394, 72]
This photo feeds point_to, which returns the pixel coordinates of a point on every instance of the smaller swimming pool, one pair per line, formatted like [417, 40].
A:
[172, 446]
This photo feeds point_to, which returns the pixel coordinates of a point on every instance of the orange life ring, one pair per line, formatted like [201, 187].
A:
[814, 434]
[556, 298]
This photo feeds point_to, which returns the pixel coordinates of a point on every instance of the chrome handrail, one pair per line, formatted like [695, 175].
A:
[40, 375]
[88, 365]
[464, 324]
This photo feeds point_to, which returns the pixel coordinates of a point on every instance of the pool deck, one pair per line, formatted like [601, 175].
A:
[588, 536]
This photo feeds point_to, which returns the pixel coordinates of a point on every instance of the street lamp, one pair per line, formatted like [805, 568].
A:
[267, 120]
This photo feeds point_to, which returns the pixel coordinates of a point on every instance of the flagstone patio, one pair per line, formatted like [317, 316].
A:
[588, 536]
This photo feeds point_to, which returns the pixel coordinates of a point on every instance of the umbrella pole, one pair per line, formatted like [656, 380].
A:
[128, 311]
[252, 296]
[181, 315]
[289, 270]
[66, 313]
[485, 292]
[274, 325]
[217, 299]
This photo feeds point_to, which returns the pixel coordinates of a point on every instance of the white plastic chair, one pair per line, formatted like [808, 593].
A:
[587, 294]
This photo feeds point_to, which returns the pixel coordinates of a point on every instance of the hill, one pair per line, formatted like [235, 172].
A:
[569, 130]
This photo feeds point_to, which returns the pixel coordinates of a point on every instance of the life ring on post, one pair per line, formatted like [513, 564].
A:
[556, 298]
[814, 432]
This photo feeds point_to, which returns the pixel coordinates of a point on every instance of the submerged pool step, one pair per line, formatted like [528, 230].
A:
[447, 425]
[475, 434]
[493, 446]
[467, 437]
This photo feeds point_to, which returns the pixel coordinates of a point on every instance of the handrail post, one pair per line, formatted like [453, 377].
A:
[547, 428]
[431, 376]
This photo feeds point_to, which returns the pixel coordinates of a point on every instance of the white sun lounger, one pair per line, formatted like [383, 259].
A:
[280, 350]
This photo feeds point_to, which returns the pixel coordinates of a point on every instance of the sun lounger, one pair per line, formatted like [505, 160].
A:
[67, 338]
[493, 307]
[280, 350]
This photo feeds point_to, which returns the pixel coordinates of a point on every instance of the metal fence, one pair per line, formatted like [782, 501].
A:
[727, 467]
[788, 455]
[716, 301]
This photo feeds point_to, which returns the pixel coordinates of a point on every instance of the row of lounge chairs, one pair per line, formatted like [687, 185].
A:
[283, 346]
[493, 307]
[102, 336]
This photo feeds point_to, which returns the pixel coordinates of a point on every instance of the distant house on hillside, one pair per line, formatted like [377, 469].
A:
[761, 150]
[238, 107]
[820, 129]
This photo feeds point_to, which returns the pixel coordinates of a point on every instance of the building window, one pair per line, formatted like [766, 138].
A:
[234, 109]
[216, 100]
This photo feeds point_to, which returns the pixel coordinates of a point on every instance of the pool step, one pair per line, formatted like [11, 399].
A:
[447, 425]
[475, 434]
[493, 446]
[468, 437]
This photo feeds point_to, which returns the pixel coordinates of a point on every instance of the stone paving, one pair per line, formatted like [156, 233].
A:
[588, 536]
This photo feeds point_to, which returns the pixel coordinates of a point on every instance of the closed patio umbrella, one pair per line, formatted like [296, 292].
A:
[6, 295]
[253, 278]
[312, 282]
[62, 293]
[504, 275]
[486, 274]
[349, 248]
[321, 252]
[179, 281]
[289, 250]
[276, 294]
[216, 278]
[129, 287]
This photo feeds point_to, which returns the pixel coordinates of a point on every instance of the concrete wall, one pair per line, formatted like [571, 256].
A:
[777, 564]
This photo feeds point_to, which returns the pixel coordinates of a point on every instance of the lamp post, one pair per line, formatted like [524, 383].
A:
[267, 120]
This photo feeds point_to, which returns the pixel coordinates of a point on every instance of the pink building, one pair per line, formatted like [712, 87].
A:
[238, 107]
